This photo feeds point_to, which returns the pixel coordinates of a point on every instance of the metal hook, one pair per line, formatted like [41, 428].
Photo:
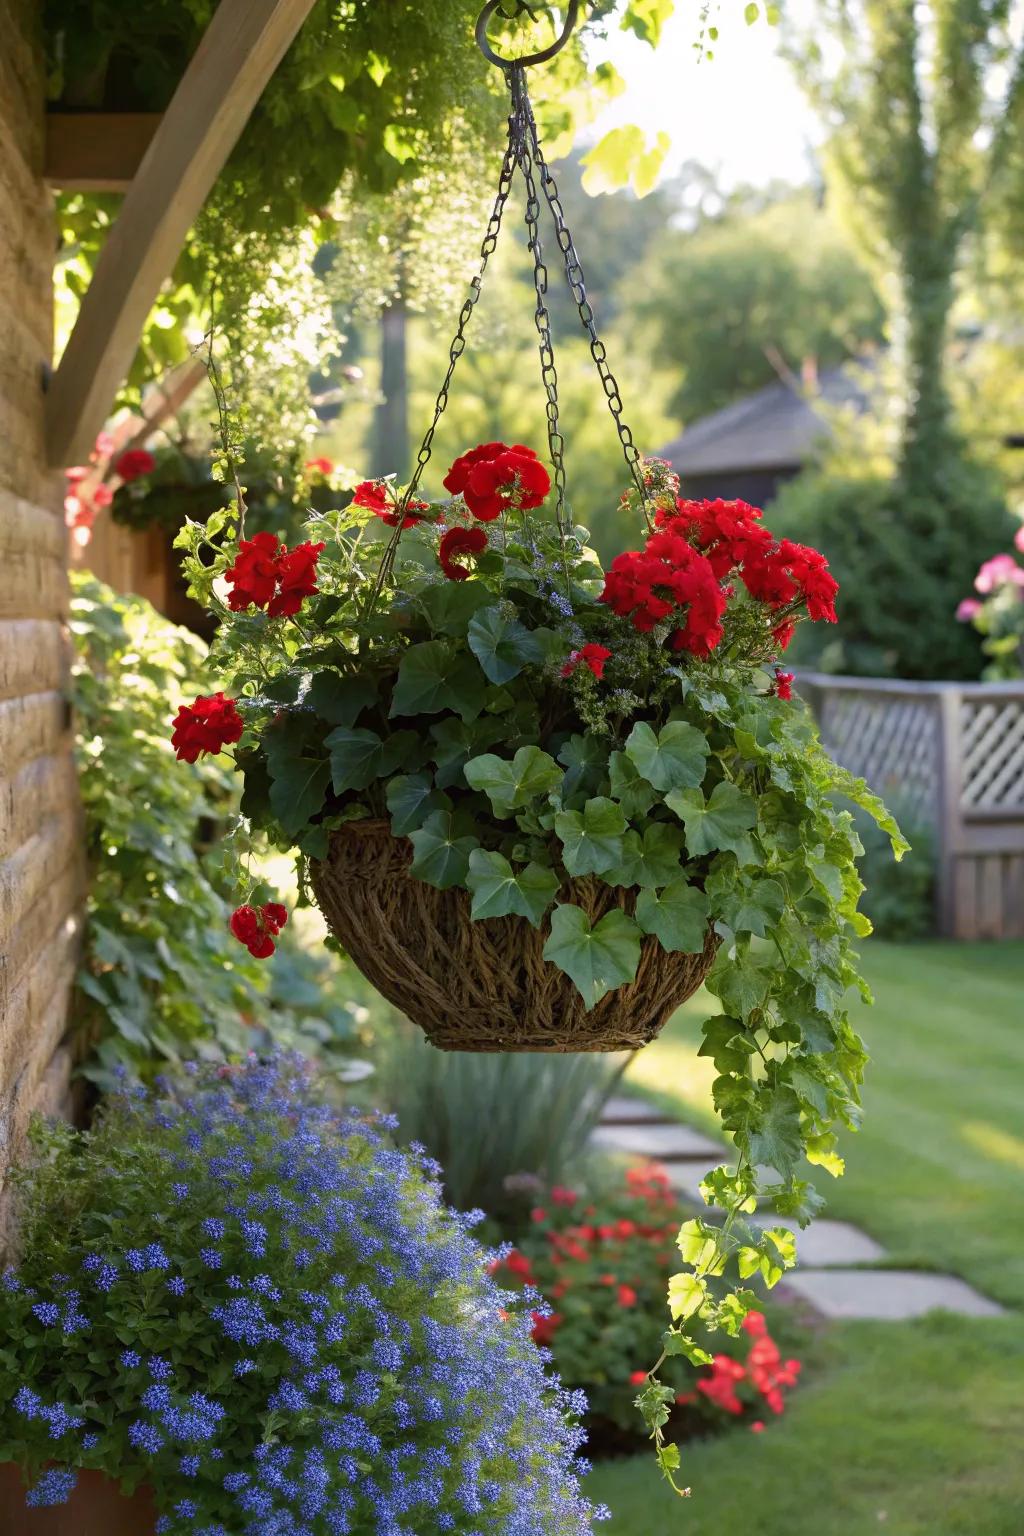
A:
[530, 58]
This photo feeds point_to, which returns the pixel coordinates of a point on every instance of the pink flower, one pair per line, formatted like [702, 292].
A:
[1001, 570]
[968, 609]
[1018, 539]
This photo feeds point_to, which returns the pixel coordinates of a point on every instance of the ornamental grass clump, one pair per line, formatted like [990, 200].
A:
[251, 1303]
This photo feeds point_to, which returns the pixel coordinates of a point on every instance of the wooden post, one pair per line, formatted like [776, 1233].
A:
[238, 53]
[949, 813]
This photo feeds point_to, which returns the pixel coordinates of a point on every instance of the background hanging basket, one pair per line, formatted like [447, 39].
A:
[485, 986]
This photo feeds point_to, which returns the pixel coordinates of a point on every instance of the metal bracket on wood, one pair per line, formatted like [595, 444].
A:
[239, 52]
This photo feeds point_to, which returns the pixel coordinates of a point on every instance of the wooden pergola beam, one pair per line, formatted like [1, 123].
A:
[96, 151]
[238, 53]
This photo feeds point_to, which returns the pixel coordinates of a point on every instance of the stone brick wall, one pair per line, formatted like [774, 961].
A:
[41, 877]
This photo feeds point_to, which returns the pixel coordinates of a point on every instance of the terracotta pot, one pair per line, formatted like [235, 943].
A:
[96, 1508]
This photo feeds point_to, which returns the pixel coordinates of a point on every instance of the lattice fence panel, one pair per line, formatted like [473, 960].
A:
[992, 754]
[892, 742]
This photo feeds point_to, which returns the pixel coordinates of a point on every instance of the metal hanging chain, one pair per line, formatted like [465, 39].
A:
[577, 286]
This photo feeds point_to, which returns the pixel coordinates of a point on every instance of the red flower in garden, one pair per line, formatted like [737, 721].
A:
[668, 577]
[413, 514]
[258, 927]
[460, 541]
[207, 725]
[783, 688]
[637, 1378]
[592, 656]
[102, 496]
[373, 495]
[783, 633]
[494, 477]
[134, 463]
[320, 466]
[75, 473]
[757, 1427]
[626, 1296]
[296, 579]
[563, 1196]
[269, 575]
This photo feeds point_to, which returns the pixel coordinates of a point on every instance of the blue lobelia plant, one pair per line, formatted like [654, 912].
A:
[251, 1302]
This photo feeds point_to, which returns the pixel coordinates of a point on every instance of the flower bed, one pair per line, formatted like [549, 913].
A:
[601, 1266]
[233, 1295]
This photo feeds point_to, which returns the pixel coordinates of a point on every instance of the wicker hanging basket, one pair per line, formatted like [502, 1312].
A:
[485, 986]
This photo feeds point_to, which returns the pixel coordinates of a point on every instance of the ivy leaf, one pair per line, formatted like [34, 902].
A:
[299, 776]
[410, 798]
[510, 784]
[592, 839]
[441, 850]
[456, 740]
[359, 757]
[720, 822]
[773, 1132]
[673, 758]
[754, 906]
[677, 916]
[686, 1295]
[432, 677]
[499, 891]
[596, 959]
[742, 979]
[585, 759]
[629, 787]
[651, 860]
[727, 1044]
[340, 700]
[502, 645]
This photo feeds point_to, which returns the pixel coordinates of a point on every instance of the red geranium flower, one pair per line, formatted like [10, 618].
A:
[460, 541]
[494, 477]
[320, 466]
[783, 688]
[592, 656]
[545, 1326]
[371, 494]
[134, 463]
[626, 1296]
[257, 927]
[637, 1378]
[102, 496]
[269, 575]
[206, 725]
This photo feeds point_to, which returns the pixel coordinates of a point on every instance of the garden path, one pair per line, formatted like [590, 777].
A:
[841, 1271]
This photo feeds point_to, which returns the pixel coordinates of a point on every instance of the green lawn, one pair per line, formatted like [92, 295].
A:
[936, 1173]
[914, 1429]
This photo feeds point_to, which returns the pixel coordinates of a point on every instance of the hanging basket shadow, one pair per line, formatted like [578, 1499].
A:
[485, 986]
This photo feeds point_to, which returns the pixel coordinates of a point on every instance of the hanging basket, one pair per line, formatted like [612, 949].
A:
[485, 986]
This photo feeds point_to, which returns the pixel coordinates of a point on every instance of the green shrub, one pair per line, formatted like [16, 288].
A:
[501, 1126]
[902, 565]
[898, 898]
[162, 977]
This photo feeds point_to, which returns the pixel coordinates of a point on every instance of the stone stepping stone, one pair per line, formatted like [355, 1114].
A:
[620, 1110]
[667, 1142]
[826, 1243]
[888, 1295]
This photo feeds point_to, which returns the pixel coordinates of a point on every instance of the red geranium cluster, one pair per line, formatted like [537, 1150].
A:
[269, 575]
[592, 656]
[379, 497]
[494, 477]
[87, 488]
[602, 1269]
[206, 725]
[765, 1371]
[258, 927]
[456, 542]
[687, 563]
[668, 576]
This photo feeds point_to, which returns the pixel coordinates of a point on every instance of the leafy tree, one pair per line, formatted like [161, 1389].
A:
[748, 292]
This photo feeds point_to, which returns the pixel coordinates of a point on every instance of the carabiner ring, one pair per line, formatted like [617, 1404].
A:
[530, 58]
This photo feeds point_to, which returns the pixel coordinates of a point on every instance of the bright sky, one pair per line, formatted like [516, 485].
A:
[740, 114]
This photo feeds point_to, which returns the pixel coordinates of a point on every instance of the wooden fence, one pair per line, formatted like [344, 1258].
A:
[950, 758]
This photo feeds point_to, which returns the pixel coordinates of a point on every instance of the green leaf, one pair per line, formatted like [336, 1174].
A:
[754, 906]
[432, 677]
[751, 12]
[629, 787]
[299, 776]
[510, 784]
[456, 740]
[677, 916]
[686, 1295]
[720, 822]
[340, 700]
[651, 860]
[502, 645]
[773, 1135]
[673, 758]
[592, 839]
[450, 605]
[585, 759]
[411, 797]
[359, 757]
[596, 959]
[742, 980]
[441, 850]
[727, 1044]
[498, 890]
